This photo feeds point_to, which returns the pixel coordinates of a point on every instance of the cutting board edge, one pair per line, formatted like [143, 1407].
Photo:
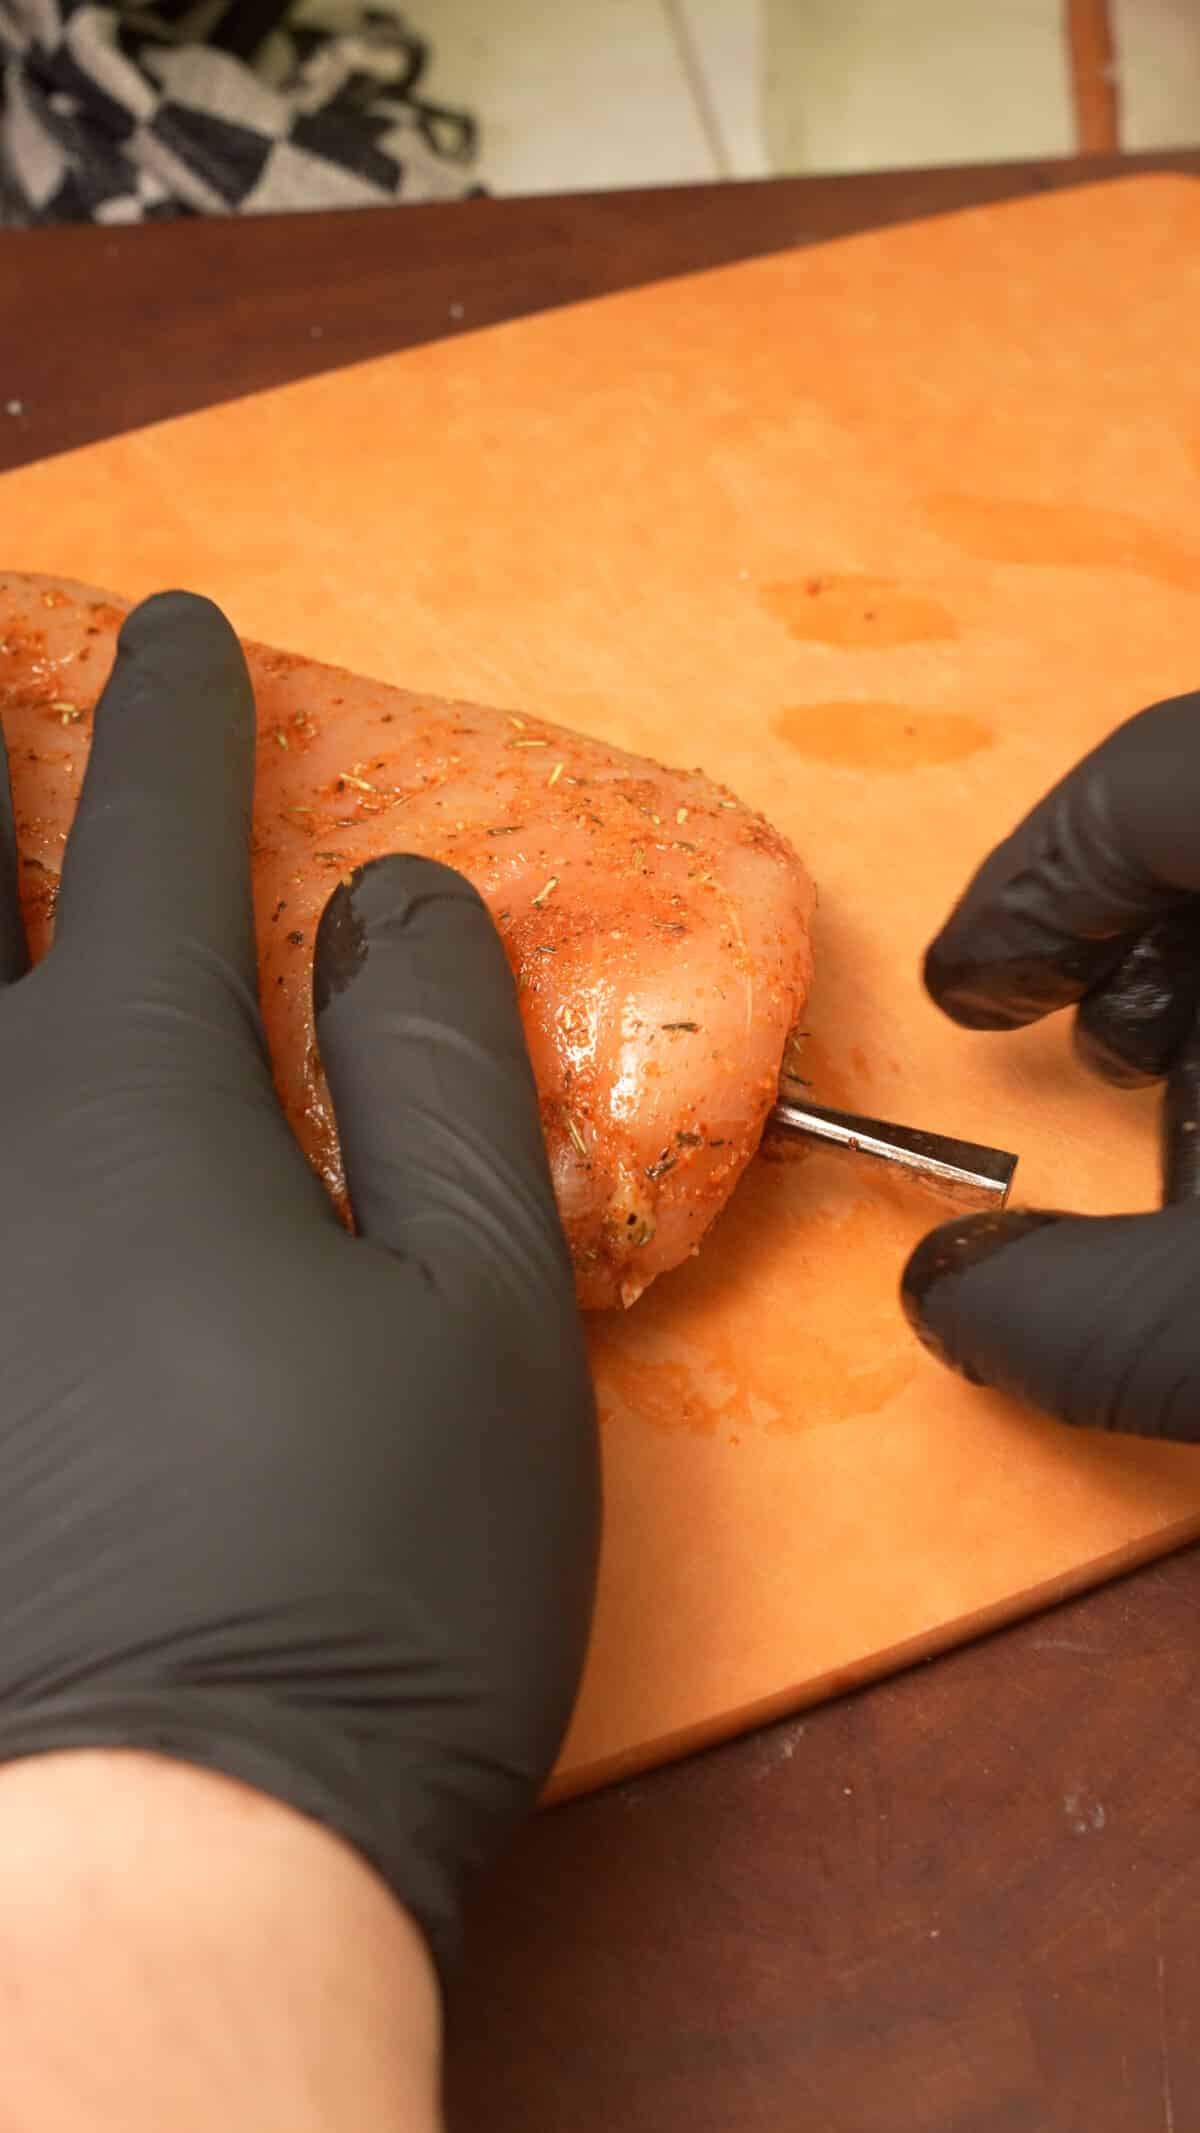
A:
[574, 1782]
[748, 1659]
[845, 239]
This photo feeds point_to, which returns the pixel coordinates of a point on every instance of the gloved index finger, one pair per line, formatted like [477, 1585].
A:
[1056, 906]
[437, 1108]
[159, 853]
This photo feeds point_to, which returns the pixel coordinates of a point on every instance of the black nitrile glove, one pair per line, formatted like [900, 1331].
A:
[316, 1511]
[1095, 900]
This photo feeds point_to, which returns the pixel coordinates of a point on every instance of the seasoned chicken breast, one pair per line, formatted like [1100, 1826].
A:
[657, 928]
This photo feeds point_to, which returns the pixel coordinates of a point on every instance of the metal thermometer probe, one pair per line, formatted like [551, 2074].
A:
[964, 1172]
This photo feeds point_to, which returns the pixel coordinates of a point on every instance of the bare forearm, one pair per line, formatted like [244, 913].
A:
[176, 1949]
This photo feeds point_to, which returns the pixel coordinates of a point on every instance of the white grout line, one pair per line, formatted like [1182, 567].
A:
[706, 113]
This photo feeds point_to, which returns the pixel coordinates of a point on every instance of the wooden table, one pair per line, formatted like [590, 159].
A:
[965, 1901]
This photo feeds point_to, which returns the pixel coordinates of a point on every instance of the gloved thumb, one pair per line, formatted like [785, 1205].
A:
[1094, 1320]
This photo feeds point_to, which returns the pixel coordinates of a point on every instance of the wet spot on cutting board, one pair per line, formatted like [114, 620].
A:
[1065, 536]
[859, 613]
[786, 1321]
[880, 736]
[669, 1385]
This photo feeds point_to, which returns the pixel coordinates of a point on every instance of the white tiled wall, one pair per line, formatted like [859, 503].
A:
[869, 85]
[576, 94]
[1158, 71]
[570, 94]
[727, 41]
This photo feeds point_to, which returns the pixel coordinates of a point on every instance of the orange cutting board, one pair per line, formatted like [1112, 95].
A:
[884, 535]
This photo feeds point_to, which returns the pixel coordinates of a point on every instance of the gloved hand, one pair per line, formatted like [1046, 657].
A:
[315, 1511]
[1094, 900]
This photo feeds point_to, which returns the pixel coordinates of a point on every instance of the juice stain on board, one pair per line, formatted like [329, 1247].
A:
[857, 612]
[1065, 536]
[788, 1319]
[886, 737]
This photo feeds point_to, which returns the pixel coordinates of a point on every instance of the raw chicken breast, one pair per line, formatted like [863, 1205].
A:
[658, 930]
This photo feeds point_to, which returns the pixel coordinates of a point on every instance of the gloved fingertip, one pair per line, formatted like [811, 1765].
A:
[340, 946]
[1121, 1070]
[939, 1263]
[177, 616]
[960, 989]
[378, 900]
[387, 889]
[1133, 1025]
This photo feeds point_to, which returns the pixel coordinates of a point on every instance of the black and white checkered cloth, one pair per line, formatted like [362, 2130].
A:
[115, 113]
